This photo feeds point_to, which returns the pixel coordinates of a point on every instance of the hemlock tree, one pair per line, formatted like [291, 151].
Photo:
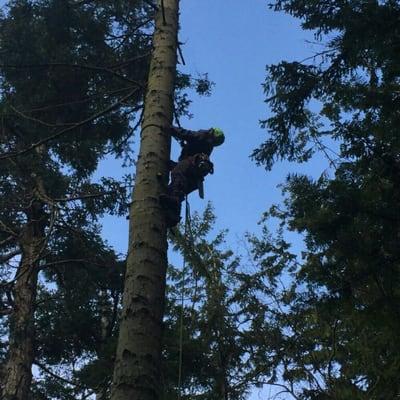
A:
[101, 66]
[71, 80]
[339, 321]
[76, 318]
[203, 314]
[137, 364]
[215, 312]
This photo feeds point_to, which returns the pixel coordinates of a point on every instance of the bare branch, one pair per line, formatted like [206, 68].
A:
[6, 257]
[181, 54]
[81, 100]
[285, 388]
[69, 129]
[39, 121]
[76, 66]
[73, 260]
[7, 240]
[54, 375]
[130, 60]
[7, 229]
[319, 54]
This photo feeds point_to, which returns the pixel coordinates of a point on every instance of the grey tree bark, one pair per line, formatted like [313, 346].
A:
[137, 364]
[18, 369]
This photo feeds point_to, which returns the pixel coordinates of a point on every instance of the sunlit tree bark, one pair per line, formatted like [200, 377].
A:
[137, 364]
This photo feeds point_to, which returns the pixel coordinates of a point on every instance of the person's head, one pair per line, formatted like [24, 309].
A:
[218, 136]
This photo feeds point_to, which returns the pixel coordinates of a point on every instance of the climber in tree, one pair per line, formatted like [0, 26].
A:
[193, 165]
[197, 142]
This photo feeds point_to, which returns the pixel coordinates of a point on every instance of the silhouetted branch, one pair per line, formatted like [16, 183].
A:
[67, 65]
[69, 129]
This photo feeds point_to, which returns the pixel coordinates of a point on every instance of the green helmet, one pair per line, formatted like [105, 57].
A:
[219, 136]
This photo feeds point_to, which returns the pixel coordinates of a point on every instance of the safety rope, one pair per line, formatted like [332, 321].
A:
[187, 229]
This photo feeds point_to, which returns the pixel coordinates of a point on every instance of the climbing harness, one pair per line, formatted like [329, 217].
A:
[203, 163]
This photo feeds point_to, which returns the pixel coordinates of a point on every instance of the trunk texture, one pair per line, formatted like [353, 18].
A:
[137, 364]
[101, 393]
[18, 370]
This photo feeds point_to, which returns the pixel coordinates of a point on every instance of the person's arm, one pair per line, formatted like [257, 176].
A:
[187, 135]
[180, 133]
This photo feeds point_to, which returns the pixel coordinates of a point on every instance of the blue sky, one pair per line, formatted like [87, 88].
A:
[233, 41]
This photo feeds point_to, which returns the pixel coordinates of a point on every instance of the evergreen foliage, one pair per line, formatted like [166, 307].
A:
[221, 303]
[72, 80]
[338, 320]
[318, 325]
[73, 76]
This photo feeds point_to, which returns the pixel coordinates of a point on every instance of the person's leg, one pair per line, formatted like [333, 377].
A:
[177, 189]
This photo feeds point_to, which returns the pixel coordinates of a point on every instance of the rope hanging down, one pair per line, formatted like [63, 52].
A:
[187, 229]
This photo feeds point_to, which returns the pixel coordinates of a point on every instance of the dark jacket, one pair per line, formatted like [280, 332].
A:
[194, 142]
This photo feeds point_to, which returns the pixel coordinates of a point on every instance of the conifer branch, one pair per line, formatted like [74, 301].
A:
[13, 154]
[6, 257]
[74, 66]
[54, 375]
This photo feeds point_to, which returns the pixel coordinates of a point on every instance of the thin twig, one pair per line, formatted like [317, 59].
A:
[51, 373]
[323, 148]
[181, 54]
[75, 66]
[6, 257]
[130, 60]
[321, 53]
[84, 196]
[39, 121]
[7, 240]
[69, 129]
[78, 101]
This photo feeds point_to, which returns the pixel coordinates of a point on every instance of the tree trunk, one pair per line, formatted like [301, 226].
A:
[221, 381]
[18, 370]
[137, 365]
[105, 312]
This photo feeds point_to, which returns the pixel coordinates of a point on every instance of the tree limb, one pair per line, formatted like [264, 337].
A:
[69, 129]
[5, 257]
[76, 66]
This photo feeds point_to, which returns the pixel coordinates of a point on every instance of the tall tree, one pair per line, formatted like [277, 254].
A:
[339, 320]
[71, 105]
[213, 318]
[76, 318]
[137, 364]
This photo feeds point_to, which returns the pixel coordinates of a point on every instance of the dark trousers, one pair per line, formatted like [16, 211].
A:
[185, 177]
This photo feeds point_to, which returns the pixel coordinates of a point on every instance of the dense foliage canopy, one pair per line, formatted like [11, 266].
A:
[339, 320]
[320, 323]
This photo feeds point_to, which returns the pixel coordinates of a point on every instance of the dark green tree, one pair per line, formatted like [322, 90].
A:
[338, 317]
[72, 80]
[215, 310]
[77, 320]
